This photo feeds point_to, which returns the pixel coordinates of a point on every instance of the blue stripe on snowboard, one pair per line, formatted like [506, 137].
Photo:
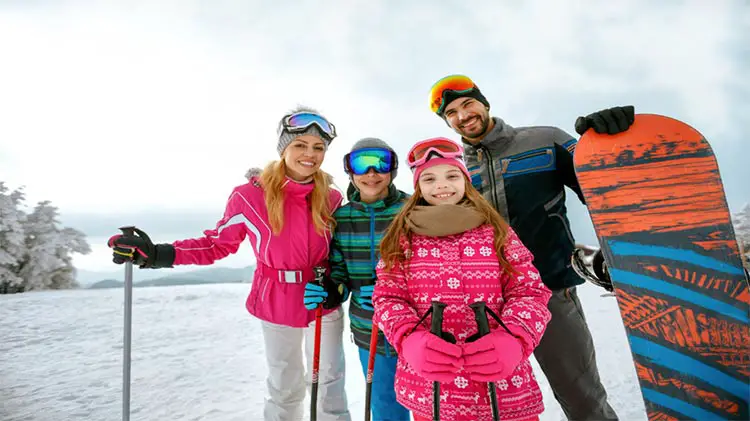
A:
[622, 248]
[673, 360]
[652, 284]
[676, 405]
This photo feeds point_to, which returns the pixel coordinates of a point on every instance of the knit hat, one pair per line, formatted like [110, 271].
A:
[450, 96]
[285, 137]
[437, 160]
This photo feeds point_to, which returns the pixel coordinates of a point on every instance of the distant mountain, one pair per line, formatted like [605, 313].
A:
[89, 277]
[107, 283]
[217, 275]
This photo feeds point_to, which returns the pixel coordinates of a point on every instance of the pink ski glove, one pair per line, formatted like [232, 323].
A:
[431, 356]
[492, 357]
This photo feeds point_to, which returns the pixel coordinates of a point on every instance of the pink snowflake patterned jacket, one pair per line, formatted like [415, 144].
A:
[458, 270]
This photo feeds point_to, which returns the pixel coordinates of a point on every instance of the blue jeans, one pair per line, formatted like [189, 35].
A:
[384, 406]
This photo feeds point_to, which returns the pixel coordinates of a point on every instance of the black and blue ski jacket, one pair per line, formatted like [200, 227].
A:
[523, 172]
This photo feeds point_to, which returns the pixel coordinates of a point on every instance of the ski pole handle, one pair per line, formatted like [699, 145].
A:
[131, 231]
[436, 324]
[320, 273]
[483, 328]
[128, 231]
[480, 316]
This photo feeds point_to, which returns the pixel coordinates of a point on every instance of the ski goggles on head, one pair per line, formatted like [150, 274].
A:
[299, 122]
[454, 83]
[437, 146]
[360, 161]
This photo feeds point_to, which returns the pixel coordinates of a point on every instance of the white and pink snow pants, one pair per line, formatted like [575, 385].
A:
[288, 381]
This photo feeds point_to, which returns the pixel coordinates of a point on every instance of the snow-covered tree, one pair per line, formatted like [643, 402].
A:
[72, 241]
[12, 238]
[42, 243]
[47, 263]
[35, 253]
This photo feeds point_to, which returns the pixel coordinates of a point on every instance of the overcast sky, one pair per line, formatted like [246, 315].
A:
[150, 112]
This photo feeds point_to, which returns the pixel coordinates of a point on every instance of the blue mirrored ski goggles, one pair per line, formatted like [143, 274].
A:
[360, 161]
[299, 122]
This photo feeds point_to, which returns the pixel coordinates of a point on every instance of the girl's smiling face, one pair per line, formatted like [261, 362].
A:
[442, 184]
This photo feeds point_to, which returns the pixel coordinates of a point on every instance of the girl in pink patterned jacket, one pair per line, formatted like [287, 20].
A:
[448, 244]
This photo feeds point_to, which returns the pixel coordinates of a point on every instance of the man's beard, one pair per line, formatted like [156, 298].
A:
[481, 130]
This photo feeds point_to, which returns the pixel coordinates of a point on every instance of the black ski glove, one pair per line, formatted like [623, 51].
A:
[337, 294]
[611, 121]
[139, 249]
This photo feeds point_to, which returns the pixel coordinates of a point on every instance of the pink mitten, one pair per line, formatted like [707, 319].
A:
[431, 356]
[492, 357]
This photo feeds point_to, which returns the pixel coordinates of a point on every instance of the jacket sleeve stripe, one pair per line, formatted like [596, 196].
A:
[265, 225]
[241, 219]
[570, 145]
[223, 240]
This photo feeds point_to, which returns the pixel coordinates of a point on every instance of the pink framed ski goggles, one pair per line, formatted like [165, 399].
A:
[436, 146]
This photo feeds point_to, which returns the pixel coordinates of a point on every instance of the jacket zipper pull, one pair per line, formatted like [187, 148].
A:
[505, 164]
[479, 154]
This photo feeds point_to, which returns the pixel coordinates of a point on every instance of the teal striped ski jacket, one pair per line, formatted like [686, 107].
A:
[355, 253]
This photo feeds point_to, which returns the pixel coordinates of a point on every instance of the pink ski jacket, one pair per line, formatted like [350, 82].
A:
[284, 263]
[458, 270]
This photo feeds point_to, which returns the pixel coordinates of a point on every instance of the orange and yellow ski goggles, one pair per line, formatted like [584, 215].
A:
[454, 83]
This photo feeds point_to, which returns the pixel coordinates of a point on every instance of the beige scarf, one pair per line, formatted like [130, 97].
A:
[443, 220]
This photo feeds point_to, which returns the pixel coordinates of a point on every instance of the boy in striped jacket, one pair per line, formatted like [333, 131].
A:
[360, 224]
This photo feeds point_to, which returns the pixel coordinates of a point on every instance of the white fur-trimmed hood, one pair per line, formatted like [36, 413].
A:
[253, 172]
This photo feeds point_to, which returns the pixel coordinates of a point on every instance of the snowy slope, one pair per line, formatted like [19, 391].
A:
[197, 355]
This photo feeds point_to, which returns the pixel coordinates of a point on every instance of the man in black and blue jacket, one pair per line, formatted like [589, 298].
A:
[523, 172]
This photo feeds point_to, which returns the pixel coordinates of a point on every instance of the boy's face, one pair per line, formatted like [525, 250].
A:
[372, 186]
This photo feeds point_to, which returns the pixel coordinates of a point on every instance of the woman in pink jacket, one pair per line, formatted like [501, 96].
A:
[449, 245]
[286, 213]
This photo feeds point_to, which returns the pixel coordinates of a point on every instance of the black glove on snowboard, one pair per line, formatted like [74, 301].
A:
[140, 250]
[611, 121]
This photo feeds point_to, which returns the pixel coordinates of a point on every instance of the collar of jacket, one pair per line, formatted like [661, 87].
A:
[394, 195]
[295, 188]
[501, 133]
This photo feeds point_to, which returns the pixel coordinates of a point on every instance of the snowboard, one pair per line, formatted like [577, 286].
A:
[657, 203]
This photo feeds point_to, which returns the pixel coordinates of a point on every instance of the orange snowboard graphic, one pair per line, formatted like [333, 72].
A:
[657, 202]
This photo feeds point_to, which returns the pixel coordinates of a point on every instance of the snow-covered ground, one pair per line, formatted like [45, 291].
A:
[197, 355]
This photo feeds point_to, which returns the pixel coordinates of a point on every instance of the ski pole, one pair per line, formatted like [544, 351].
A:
[127, 231]
[436, 328]
[371, 369]
[483, 328]
[319, 273]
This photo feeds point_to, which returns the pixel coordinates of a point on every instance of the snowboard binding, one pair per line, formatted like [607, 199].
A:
[589, 264]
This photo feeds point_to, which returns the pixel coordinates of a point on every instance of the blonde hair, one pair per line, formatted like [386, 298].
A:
[273, 178]
[390, 246]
